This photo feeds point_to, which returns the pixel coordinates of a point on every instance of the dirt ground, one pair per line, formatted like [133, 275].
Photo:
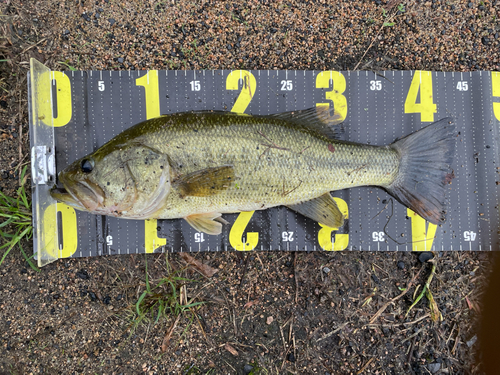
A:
[261, 312]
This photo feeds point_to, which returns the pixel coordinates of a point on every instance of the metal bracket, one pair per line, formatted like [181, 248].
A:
[43, 165]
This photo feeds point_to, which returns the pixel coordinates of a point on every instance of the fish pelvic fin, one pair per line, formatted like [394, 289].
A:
[425, 169]
[209, 223]
[206, 182]
[323, 209]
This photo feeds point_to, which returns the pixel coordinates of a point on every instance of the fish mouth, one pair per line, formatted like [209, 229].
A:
[82, 195]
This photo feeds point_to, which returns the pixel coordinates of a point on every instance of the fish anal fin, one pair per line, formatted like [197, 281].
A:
[323, 209]
[209, 223]
[206, 182]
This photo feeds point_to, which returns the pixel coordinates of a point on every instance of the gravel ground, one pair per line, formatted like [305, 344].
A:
[269, 313]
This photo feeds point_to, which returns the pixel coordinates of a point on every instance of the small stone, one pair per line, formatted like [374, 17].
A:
[401, 265]
[247, 369]
[112, 21]
[121, 60]
[425, 256]
[291, 357]
[86, 17]
[434, 367]
[269, 319]
[326, 270]
[82, 274]
[472, 341]
[485, 40]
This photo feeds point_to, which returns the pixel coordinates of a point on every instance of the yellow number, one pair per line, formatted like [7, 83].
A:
[152, 97]
[237, 231]
[421, 80]
[495, 82]
[421, 238]
[152, 93]
[69, 231]
[325, 233]
[339, 101]
[249, 85]
[63, 99]
[151, 239]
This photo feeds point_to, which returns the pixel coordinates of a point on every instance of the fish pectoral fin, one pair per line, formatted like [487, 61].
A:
[209, 223]
[206, 182]
[323, 209]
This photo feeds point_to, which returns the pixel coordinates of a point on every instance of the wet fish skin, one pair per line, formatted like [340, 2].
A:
[209, 163]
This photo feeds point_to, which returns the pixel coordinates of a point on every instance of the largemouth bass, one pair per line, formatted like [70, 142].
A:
[199, 165]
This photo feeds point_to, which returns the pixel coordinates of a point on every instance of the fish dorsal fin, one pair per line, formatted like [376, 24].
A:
[320, 119]
[206, 182]
[323, 209]
[210, 223]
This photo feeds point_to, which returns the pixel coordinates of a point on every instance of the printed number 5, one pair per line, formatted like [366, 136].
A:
[100, 85]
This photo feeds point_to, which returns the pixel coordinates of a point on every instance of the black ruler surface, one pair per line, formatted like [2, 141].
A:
[90, 107]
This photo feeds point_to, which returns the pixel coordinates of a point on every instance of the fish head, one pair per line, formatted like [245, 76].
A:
[130, 181]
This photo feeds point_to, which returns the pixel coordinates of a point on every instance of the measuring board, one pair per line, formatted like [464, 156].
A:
[74, 113]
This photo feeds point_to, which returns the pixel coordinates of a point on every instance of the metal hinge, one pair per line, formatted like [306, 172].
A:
[43, 165]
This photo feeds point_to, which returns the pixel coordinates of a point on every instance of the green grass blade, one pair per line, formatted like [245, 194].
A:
[139, 301]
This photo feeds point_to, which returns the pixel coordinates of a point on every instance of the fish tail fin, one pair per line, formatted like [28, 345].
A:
[424, 170]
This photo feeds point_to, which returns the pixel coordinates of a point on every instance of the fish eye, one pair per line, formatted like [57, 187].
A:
[87, 165]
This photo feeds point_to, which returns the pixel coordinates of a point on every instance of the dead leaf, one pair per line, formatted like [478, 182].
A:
[436, 315]
[202, 268]
[168, 335]
[469, 304]
[230, 349]
[250, 304]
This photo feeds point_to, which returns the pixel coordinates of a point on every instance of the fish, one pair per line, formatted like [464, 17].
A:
[199, 165]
